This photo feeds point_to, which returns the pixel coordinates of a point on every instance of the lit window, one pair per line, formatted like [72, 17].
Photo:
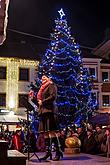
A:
[105, 100]
[92, 72]
[105, 76]
[2, 72]
[24, 74]
[3, 99]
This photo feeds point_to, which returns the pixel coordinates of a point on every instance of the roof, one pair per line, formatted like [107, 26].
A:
[100, 118]
[87, 53]
[9, 119]
[103, 49]
[105, 61]
[34, 51]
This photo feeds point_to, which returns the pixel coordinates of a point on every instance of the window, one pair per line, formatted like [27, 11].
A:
[2, 72]
[24, 74]
[92, 72]
[105, 76]
[105, 100]
[3, 99]
[23, 98]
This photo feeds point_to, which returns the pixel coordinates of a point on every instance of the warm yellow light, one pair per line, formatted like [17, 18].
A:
[12, 79]
[11, 113]
[11, 103]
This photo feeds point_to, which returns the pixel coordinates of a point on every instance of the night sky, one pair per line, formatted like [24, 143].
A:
[87, 19]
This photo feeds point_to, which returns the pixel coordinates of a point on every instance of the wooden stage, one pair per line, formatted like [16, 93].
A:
[78, 159]
[16, 158]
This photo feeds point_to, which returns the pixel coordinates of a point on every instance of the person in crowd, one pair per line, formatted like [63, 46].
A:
[105, 146]
[41, 142]
[89, 145]
[1, 136]
[48, 123]
[69, 132]
[16, 141]
[99, 137]
[81, 135]
[32, 140]
[62, 139]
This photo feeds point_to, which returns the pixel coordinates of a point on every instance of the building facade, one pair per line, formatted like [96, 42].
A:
[93, 66]
[15, 76]
[105, 90]
[103, 51]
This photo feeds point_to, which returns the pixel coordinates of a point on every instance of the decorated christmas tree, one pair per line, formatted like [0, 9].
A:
[87, 99]
[62, 62]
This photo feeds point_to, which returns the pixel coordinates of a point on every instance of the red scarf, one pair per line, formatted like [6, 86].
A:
[44, 85]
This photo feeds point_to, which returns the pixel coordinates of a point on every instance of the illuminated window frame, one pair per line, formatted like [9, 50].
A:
[108, 78]
[106, 104]
[95, 73]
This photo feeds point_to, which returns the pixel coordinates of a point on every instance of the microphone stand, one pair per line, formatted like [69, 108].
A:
[29, 107]
[28, 133]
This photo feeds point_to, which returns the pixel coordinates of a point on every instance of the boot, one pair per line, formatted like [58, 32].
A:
[58, 155]
[48, 150]
[59, 152]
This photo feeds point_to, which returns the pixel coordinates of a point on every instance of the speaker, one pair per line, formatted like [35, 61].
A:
[3, 149]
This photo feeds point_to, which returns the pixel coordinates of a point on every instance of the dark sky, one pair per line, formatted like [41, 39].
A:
[87, 19]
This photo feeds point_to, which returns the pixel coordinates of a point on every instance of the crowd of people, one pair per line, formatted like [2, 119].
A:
[93, 140]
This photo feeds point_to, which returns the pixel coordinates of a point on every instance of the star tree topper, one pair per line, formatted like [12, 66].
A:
[61, 12]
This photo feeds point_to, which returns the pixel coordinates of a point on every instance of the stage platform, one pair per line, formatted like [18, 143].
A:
[78, 159]
[13, 158]
[16, 158]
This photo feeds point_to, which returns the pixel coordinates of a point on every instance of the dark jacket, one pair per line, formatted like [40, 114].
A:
[89, 145]
[48, 100]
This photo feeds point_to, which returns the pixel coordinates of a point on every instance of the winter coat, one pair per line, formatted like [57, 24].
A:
[89, 145]
[48, 100]
[16, 141]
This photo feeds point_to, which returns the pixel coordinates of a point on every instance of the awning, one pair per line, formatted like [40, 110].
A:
[100, 118]
[9, 119]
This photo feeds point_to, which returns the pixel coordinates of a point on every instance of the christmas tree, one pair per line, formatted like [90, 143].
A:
[62, 62]
[87, 100]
